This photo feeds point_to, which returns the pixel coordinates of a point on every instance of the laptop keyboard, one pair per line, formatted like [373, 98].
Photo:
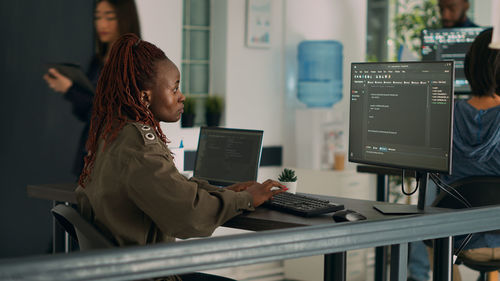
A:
[301, 205]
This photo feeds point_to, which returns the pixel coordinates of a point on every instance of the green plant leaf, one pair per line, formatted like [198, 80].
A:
[189, 105]
[214, 104]
[287, 175]
[413, 16]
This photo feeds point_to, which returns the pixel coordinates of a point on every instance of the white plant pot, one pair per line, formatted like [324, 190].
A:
[292, 186]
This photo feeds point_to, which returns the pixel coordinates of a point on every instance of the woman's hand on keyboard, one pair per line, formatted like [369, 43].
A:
[262, 192]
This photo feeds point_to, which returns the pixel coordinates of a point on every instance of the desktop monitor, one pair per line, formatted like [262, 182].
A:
[450, 44]
[227, 156]
[401, 116]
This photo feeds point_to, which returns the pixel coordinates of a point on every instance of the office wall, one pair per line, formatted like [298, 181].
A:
[340, 20]
[254, 76]
[161, 24]
[251, 80]
[39, 134]
[482, 12]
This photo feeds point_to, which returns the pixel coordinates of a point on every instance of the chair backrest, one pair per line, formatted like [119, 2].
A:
[478, 190]
[481, 266]
[85, 233]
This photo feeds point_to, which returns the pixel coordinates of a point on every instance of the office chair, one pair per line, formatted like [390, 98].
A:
[89, 237]
[85, 233]
[479, 191]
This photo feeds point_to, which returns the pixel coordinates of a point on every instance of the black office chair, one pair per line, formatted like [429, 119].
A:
[85, 233]
[89, 237]
[479, 191]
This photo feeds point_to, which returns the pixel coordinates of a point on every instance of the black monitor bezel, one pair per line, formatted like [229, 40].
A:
[260, 133]
[450, 129]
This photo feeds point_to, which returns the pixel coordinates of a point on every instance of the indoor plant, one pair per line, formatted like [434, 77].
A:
[187, 118]
[213, 110]
[288, 179]
[412, 17]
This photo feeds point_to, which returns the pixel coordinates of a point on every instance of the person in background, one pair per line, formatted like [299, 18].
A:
[454, 13]
[476, 134]
[112, 18]
[476, 139]
[130, 188]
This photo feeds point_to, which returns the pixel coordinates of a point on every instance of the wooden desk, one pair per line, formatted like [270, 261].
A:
[265, 219]
[59, 192]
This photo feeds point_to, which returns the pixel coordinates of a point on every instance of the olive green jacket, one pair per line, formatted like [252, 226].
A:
[136, 196]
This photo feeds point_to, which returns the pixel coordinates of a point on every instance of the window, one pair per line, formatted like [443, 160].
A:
[196, 54]
[377, 30]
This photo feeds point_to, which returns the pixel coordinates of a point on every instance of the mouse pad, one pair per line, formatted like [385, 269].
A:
[397, 209]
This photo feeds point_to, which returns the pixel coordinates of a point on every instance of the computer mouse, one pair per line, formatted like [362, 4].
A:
[347, 215]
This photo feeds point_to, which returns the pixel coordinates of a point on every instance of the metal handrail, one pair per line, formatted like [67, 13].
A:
[139, 262]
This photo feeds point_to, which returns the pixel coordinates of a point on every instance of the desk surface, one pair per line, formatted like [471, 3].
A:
[319, 237]
[62, 192]
[261, 219]
[266, 219]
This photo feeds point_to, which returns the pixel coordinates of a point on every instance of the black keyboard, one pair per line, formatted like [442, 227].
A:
[301, 205]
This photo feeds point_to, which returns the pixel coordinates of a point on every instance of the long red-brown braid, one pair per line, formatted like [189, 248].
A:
[131, 67]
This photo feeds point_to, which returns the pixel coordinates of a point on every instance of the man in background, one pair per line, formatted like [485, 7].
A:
[454, 13]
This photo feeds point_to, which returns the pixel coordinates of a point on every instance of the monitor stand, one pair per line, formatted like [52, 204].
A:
[401, 209]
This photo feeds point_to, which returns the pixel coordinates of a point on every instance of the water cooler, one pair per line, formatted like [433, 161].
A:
[320, 138]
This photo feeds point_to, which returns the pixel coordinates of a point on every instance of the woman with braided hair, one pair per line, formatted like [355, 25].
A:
[129, 187]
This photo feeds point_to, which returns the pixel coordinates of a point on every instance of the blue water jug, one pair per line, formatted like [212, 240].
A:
[320, 73]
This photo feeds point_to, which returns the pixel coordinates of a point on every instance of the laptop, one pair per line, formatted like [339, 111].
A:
[227, 156]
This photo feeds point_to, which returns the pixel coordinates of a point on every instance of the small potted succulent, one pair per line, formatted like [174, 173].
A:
[288, 179]
[187, 118]
[213, 110]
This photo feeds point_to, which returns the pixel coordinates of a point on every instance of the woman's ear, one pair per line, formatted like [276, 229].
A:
[146, 97]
